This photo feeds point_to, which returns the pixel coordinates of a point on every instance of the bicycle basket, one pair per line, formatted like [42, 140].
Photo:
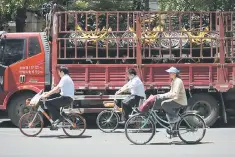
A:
[30, 104]
[147, 104]
[35, 100]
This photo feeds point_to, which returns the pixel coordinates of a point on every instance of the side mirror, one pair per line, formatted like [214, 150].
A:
[2, 39]
[2, 45]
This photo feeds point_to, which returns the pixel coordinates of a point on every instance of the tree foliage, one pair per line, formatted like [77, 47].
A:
[196, 5]
[102, 5]
[9, 8]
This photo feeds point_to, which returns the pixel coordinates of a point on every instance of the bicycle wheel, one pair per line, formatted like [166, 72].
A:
[140, 124]
[191, 123]
[31, 124]
[80, 123]
[107, 121]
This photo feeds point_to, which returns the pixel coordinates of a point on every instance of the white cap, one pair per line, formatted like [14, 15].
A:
[172, 70]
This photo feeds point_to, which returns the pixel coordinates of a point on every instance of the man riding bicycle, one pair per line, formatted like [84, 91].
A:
[136, 88]
[66, 89]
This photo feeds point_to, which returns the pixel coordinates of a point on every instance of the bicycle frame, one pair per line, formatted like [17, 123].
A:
[40, 109]
[152, 114]
[116, 109]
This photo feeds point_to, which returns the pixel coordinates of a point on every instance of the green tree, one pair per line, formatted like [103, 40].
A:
[196, 5]
[15, 10]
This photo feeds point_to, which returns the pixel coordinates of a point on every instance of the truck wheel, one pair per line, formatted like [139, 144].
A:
[206, 105]
[16, 106]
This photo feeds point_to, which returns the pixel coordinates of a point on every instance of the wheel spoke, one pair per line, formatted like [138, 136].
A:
[80, 128]
[139, 124]
[31, 124]
[107, 121]
[192, 124]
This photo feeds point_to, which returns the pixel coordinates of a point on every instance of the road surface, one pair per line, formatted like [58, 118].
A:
[218, 142]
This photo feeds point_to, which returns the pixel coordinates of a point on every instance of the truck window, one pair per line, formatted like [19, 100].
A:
[14, 51]
[34, 46]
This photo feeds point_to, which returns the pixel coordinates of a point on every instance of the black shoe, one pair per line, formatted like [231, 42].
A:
[171, 134]
[53, 128]
[174, 134]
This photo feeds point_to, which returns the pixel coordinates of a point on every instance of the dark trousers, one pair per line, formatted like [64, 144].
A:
[128, 103]
[171, 108]
[53, 105]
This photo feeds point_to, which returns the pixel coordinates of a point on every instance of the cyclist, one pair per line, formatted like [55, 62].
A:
[66, 88]
[136, 88]
[175, 98]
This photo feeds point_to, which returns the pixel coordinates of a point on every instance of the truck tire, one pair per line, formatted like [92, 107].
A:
[206, 105]
[16, 105]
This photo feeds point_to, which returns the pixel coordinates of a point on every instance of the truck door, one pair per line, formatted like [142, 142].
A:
[12, 58]
[35, 64]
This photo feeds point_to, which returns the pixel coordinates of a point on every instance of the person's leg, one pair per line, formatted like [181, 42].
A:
[170, 109]
[51, 105]
[127, 105]
[54, 105]
[157, 104]
[172, 115]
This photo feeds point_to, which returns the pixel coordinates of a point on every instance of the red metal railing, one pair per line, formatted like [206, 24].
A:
[159, 35]
[145, 39]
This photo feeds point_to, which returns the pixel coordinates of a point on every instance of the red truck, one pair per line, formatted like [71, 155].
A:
[99, 47]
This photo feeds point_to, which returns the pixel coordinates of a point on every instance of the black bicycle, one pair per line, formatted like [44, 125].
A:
[143, 126]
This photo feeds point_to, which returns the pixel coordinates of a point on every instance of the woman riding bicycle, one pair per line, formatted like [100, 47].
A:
[175, 98]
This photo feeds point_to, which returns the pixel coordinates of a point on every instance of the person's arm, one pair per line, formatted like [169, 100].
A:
[123, 89]
[55, 89]
[174, 92]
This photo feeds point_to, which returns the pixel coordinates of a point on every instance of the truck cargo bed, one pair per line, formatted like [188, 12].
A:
[99, 58]
[103, 76]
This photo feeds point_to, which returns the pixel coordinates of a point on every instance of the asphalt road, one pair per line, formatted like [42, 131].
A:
[218, 142]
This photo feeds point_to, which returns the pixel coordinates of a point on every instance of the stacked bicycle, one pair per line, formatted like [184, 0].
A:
[31, 123]
[141, 128]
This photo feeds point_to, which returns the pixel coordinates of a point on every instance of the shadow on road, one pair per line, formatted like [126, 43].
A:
[6, 124]
[179, 143]
[62, 136]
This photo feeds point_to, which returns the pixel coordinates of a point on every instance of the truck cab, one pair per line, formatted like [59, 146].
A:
[22, 70]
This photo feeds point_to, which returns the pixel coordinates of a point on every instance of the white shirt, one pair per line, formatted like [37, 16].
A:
[136, 87]
[66, 86]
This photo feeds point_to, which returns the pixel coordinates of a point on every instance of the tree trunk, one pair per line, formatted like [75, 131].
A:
[137, 5]
[21, 17]
[146, 5]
